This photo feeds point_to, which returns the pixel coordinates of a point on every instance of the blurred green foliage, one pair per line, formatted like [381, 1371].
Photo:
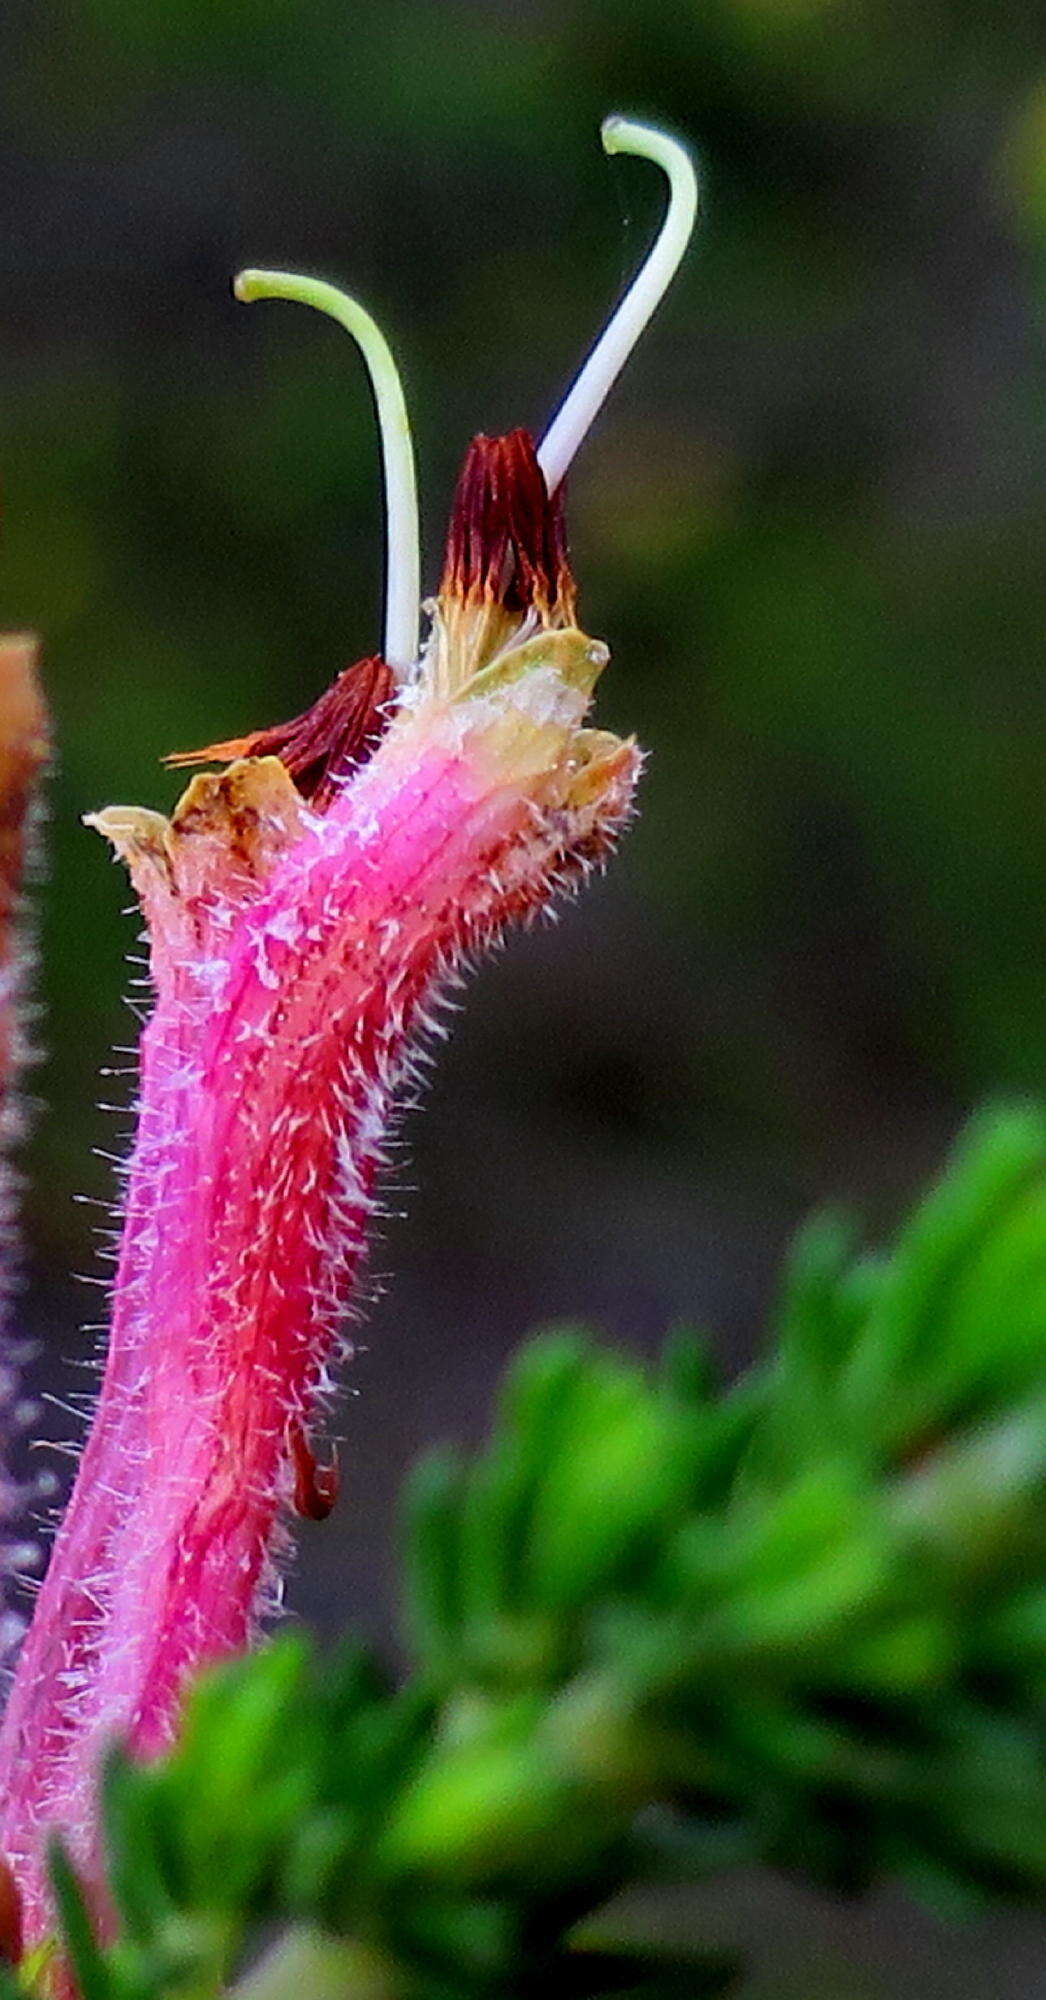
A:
[655, 1630]
[811, 521]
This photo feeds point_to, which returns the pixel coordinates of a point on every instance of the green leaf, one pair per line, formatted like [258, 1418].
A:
[90, 1968]
[657, 1630]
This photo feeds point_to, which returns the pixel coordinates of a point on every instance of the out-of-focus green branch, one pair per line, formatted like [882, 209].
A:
[655, 1629]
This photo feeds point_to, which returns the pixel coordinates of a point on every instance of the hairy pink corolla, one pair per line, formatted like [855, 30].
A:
[305, 908]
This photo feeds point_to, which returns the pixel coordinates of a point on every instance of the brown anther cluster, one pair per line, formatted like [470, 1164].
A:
[325, 744]
[506, 543]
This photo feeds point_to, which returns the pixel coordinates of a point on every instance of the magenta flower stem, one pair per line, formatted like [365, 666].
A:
[304, 908]
[264, 1098]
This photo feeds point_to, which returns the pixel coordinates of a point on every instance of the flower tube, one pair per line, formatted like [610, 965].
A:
[306, 908]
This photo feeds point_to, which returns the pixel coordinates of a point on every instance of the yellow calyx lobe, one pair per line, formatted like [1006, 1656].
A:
[219, 845]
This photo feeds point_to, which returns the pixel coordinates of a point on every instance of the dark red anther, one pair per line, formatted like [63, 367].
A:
[325, 744]
[316, 1487]
[507, 543]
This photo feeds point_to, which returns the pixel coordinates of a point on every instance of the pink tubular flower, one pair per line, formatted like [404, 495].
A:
[23, 752]
[304, 907]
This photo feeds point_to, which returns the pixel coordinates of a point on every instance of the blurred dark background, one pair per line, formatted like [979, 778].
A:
[810, 524]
